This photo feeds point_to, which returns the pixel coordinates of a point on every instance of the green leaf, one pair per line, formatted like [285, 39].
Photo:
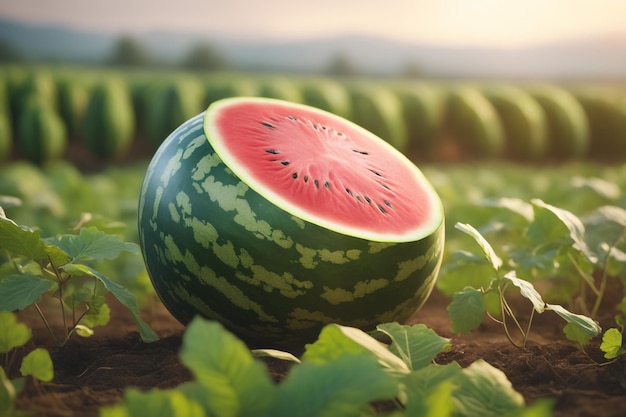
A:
[527, 290]
[466, 310]
[514, 205]
[488, 251]
[93, 244]
[416, 345]
[22, 290]
[38, 364]
[335, 340]
[12, 333]
[22, 241]
[539, 408]
[122, 294]
[97, 316]
[579, 328]
[612, 344]
[343, 387]
[485, 391]
[236, 384]
[554, 223]
[7, 394]
[426, 395]
[154, 403]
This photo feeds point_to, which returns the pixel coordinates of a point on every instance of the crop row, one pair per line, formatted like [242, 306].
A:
[50, 113]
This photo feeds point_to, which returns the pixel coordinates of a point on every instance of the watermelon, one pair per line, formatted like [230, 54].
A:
[523, 119]
[109, 123]
[277, 218]
[473, 123]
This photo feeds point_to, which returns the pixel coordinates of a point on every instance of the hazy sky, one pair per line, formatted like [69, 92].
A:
[457, 22]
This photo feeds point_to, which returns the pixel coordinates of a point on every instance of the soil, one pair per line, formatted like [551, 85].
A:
[93, 372]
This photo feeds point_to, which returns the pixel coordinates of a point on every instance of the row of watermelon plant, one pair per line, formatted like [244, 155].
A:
[43, 109]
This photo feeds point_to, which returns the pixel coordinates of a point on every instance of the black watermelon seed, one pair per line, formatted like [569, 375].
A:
[358, 198]
[349, 192]
[327, 184]
[361, 152]
[381, 208]
[375, 173]
[306, 178]
[385, 186]
[294, 175]
[387, 203]
[317, 183]
[291, 118]
[272, 151]
[285, 162]
[369, 200]
[268, 125]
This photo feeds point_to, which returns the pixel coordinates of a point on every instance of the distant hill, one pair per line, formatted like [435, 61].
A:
[576, 58]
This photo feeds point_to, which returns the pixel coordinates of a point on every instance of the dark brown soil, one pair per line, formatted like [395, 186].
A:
[93, 372]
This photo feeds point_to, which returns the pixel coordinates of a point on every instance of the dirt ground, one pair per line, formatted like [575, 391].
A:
[93, 372]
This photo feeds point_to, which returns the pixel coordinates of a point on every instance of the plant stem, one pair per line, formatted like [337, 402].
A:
[61, 302]
[45, 322]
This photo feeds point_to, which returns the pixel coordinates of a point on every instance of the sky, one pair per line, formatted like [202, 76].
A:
[493, 23]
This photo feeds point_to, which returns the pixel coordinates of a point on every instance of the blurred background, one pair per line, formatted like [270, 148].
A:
[448, 38]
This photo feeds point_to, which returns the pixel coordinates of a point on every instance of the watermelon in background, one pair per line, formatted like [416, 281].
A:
[378, 110]
[523, 121]
[276, 219]
[109, 124]
[473, 123]
[568, 127]
[170, 106]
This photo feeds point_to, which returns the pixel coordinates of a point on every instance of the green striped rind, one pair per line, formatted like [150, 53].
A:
[215, 247]
[568, 128]
[378, 110]
[473, 122]
[523, 120]
[109, 123]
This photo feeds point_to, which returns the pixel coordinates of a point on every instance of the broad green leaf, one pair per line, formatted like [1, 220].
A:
[23, 241]
[20, 291]
[488, 251]
[485, 391]
[466, 310]
[527, 290]
[122, 294]
[97, 316]
[514, 205]
[7, 394]
[579, 328]
[539, 408]
[93, 244]
[612, 344]
[236, 383]
[554, 223]
[12, 333]
[424, 392]
[601, 187]
[416, 345]
[38, 364]
[154, 403]
[335, 340]
[277, 354]
[343, 387]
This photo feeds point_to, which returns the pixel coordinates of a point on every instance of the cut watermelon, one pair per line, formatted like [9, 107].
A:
[276, 218]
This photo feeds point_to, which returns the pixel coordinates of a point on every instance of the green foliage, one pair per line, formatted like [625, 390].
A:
[59, 265]
[345, 372]
[467, 306]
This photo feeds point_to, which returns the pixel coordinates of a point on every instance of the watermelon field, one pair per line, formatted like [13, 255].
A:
[526, 317]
